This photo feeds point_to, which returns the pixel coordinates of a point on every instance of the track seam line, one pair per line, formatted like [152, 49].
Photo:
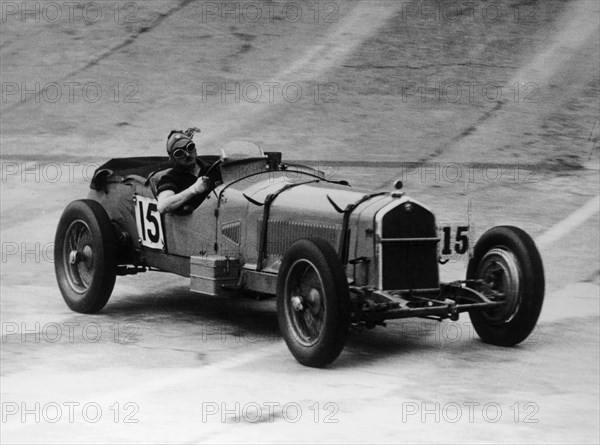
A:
[109, 52]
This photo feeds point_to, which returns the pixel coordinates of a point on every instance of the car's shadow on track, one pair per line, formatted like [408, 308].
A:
[179, 307]
[246, 321]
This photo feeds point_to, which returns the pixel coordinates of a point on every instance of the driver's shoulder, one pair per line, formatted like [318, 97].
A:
[166, 175]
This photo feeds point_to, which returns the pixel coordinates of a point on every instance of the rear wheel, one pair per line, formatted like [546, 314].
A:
[84, 256]
[313, 303]
[508, 261]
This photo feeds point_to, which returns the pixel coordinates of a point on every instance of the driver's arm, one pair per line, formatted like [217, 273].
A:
[169, 201]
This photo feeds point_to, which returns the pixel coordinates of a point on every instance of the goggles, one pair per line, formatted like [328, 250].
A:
[181, 153]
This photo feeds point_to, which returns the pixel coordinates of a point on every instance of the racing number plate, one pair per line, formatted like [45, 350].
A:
[149, 222]
[454, 242]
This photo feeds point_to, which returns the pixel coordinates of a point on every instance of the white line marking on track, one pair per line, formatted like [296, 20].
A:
[576, 300]
[572, 221]
[361, 23]
[579, 24]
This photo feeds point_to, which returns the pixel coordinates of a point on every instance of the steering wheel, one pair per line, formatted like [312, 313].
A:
[214, 164]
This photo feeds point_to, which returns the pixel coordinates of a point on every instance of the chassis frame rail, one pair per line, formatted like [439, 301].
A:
[372, 307]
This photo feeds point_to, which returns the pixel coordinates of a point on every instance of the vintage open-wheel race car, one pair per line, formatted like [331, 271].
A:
[333, 255]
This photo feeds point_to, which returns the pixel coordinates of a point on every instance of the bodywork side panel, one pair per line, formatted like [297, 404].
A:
[118, 200]
[193, 234]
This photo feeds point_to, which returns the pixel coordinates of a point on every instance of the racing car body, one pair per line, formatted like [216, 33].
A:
[335, 256]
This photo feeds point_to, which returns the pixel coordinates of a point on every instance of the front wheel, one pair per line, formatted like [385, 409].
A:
[509, 263]
[313, 303]
[84, 256]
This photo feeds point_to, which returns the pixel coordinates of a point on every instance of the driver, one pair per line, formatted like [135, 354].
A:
[185, 186]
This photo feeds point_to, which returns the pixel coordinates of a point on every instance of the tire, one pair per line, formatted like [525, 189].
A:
[84, 256]
[508, 260]
[313, 302]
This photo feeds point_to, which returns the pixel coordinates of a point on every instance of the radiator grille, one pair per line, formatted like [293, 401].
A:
[409, 248]
[410, 266]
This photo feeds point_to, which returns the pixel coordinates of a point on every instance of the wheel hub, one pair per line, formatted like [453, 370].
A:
[305, 301]
[313, 300]
[500, 272]
[76, 256]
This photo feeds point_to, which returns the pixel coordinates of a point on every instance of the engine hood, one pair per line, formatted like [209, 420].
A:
[309, 199]
[304, 207]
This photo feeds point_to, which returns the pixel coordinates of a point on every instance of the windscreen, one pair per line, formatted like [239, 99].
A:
[241, 150]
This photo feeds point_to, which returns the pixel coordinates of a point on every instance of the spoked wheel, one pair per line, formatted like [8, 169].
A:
[313, 304]
[304, 288]
[78, 255]
[508, 262]
[84, 256]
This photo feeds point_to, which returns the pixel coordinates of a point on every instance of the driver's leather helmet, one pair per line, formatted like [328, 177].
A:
[177, 139]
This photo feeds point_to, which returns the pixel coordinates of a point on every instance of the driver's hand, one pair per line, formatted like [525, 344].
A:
[201, 185]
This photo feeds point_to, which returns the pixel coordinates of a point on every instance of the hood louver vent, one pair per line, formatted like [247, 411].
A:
[281, 234]
[232, 231]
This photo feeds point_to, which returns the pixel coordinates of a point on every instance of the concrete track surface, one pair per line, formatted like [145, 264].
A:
[497, 102]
